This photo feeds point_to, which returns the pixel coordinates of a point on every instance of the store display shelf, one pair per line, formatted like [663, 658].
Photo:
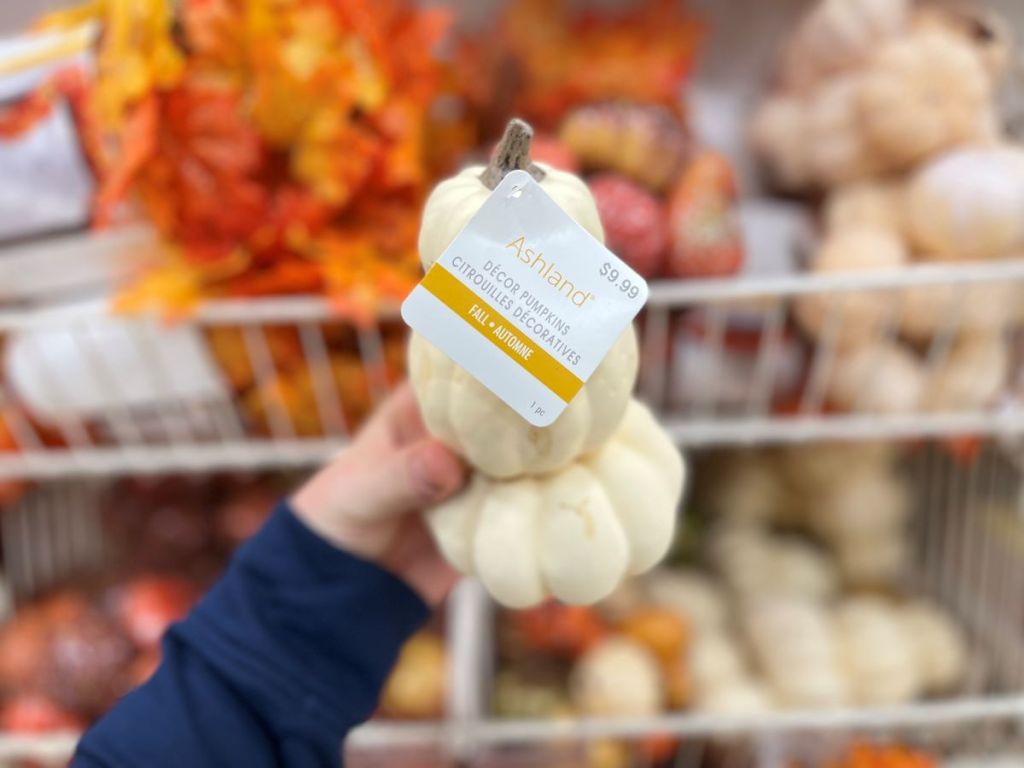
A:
[284, 381]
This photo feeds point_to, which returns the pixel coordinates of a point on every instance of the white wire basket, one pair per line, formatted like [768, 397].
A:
[967, 530]
[283, 382]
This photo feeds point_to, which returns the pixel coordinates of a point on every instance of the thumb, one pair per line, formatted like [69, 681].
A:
[412, 478]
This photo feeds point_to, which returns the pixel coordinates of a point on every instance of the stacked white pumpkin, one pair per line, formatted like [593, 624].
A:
[565, 511]
[890, 109]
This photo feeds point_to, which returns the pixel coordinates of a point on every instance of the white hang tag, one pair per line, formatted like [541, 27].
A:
[526, 300]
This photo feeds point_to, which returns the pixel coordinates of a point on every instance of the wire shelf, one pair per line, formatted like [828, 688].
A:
[283, 382]
[967, 554]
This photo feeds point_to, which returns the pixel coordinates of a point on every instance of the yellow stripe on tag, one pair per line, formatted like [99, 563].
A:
[461, 300]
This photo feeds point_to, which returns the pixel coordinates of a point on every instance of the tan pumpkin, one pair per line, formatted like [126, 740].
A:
[972, 375]
[981, 308]
[878, 377]
[968, 204]
[463, 412]
[840, 34]
[867, 205]
[777, 133]
[990, 34]
[837, 146]
[862, 312]
[922, 93]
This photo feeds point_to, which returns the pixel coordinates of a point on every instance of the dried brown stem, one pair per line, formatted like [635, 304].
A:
[512, 154]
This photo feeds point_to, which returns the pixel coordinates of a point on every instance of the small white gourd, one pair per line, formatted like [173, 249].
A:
[873, 205]
[837, 149]
[973, 374]
[478, 425]
[715, 661]
[691, 595]
[981, 308]
[879, 377]
[454, 201]
[876, 561]
[793, 644]
[968, 204]
[755, 563]
[740, 698]
[749, 491]
[573, 534]
[617, 678]
[876, 653]
[940, 647]
[461, 411]
[868, 498]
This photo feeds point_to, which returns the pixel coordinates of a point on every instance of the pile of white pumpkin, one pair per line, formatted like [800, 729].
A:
[889, 107]
[779, 622]
[565, 511]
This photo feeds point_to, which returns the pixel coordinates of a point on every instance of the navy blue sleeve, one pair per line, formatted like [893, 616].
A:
[287, 653]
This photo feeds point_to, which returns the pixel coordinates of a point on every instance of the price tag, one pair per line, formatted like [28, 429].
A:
[526, 300]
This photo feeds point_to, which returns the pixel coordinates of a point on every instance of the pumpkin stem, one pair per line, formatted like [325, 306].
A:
[512, 154]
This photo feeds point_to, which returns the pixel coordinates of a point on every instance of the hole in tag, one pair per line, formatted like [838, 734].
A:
[516, 192]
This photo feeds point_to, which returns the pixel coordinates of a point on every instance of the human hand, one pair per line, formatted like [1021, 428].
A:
[363, 500]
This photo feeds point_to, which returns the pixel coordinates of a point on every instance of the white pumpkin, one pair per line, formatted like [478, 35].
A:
[865, 500]
[874, 561]
[940, 647]
[879, 377]
[862, 312]
[714, 662]
[866, 205]
[922, 93]
[617, 678]
[689, 594]
[876, 652]
[496, 440]
[792, 641]
[972, 375]
[454, 201]
[573, 534]
[739, 698]
[838, 150]
[968, 204]
[460, 410]
[748, 489]
[754, 562]
[815, 469]
[778, 135]
[982, 308]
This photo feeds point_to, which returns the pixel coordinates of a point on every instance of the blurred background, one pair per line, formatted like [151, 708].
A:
[205, 232]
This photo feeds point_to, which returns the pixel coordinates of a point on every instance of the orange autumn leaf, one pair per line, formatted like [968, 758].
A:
[262, 134]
